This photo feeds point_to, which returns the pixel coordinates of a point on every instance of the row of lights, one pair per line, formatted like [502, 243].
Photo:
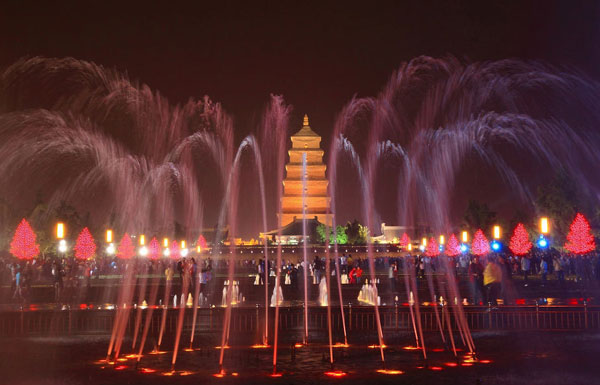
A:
[111, 249]
[496, 235]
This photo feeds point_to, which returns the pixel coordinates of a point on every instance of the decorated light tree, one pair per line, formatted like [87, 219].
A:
[201, 242]
[154, 249]
[453, 246]
[174, 250]
[404, 241]
[23, 244]
[126, 249]
[519, 242]
[85, 247]
[432, 249]
[480, 245]
[580, 239]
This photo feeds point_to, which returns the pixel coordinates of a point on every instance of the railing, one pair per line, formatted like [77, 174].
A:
[359, 319]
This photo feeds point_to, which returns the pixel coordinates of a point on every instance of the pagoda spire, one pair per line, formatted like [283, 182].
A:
[305, 123]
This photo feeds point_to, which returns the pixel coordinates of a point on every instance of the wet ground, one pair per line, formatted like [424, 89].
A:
[503, 358]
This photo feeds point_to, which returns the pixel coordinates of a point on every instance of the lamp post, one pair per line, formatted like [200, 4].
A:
[184, 250]
[110, 249]
[544, 230]
[544, 226]
[496, 232]
[496, 235]
[143, 249]
[60, 235]
[167, 252]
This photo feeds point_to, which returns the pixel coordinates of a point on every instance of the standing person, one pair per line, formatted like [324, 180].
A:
[169, 282]
[358, 273]
[525, 268]
[392, 272]
[475, 272]
[352, 276]
[261, 272]
[544, 270]
[57, 276]
[18, 294]
[492, 276]
[344, 264]
[558, 269]
[317, 269]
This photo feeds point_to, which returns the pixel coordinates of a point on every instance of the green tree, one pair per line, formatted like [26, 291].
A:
[357, 234]
[323, 230]
[478, 216]
[560, 199]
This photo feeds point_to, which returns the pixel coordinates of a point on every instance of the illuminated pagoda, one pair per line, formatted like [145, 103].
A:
[308, 142]
[317, 200]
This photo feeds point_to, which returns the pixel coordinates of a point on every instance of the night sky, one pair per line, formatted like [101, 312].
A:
[318, 56]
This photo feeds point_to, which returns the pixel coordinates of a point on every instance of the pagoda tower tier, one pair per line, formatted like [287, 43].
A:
[305, 142]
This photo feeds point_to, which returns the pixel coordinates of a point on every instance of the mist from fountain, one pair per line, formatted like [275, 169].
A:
[104, 136]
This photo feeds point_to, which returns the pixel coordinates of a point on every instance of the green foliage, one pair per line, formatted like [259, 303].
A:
[323, 230]
[478, 216]
[560, 200]
[357, 233]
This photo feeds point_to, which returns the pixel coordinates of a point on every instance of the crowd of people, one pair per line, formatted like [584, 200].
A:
[488, 277]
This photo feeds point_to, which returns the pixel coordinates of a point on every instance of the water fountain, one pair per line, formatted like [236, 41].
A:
[146, 174]
[323, 293]
[277, 296]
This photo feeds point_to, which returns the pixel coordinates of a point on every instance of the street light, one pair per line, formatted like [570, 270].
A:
[110, 249]
[496, 232]
[60, 230]
[62, 246]
[544, 226]
[142, 240]
[166, 242]
[442, 239]
[465, 237]
[143, 251]
[424, 242]
[109, 236]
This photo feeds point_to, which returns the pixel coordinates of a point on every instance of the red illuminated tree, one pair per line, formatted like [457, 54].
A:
[154, 249]
[453, 246]
[519, 242]
[404, 241]
[174, 252]
[201, 242]
[432, 249]
[480, 245]
[580, 239]
[126, 249]
[23, 244]
[85, 247]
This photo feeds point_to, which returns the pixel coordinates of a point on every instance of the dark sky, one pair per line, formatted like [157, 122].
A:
[317, 55]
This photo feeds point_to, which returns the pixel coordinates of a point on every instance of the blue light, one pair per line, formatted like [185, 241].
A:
[542, 242]
[495, 246]
[463, 248]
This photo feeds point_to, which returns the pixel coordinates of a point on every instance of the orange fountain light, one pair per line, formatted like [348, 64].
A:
[390, 371]
[335, 373]
[259, 346]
